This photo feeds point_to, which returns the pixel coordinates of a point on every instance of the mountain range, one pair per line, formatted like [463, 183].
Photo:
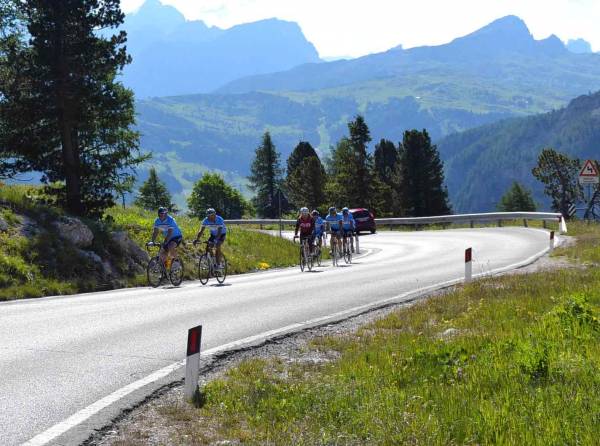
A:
[482, 163]
[495, 73]
[173, 56]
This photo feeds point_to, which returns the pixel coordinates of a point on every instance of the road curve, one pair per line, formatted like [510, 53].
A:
[60, 355]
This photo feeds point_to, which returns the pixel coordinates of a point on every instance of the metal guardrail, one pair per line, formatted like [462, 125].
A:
[470, 219]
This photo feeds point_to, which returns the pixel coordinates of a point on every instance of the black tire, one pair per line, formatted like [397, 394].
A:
[203, 269]
[372, 231]
[302, 261]
[309, 259]
[221, 274]
[347, 252]
[176, 272]
[154, 272]
[319, 256]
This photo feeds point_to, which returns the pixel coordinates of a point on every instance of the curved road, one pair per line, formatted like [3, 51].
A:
[61, 357]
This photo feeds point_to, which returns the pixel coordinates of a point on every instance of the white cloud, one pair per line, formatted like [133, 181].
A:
[358, 27]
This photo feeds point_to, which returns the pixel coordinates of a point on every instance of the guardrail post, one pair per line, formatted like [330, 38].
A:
[468, 265]
[499, 223]
[551, 240]
[472, 224]
[525, 223]
[192, 362]
[544, 224]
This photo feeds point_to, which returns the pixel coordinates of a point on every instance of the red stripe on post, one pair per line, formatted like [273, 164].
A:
[468, 255]
[551, 235]
[194, 337]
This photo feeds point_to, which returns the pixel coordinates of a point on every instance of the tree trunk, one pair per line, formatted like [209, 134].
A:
[70, 153]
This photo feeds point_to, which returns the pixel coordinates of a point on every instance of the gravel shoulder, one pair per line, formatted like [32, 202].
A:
[145, 424]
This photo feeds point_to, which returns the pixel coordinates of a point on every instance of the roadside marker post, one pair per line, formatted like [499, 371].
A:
[551, 240]
[357, 244]
[192, 362]
[468, 265]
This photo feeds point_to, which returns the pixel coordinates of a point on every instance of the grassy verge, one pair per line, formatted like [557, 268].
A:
[37, 262]
[508, 360]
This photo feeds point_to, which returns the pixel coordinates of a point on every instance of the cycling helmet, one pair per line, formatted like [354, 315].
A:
[210, 211]
[315, 213]
[345, 210]
[162, 210]
[332, 209]
[304, 210]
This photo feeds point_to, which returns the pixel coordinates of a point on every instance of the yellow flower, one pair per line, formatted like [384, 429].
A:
[263, 265]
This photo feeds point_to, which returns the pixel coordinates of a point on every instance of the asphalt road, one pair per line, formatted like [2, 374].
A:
[60, 355]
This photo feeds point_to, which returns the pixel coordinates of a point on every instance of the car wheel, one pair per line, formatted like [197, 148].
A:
[372, 231]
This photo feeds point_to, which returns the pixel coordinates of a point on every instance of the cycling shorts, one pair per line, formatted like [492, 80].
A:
[176, 240]
[219, 241]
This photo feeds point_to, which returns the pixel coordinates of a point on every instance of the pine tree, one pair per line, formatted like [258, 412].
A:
[212, 191]
[559, 174]
[265, 178]
[153, 193]
[386, 158]
[517, 199]
[306, 183]
[422, 190]
[301, 151]
[67, 116]
[362, 190]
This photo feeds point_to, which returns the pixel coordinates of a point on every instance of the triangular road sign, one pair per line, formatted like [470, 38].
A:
[589, 169]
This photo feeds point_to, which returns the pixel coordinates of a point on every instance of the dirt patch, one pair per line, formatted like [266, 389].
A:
[155, 423]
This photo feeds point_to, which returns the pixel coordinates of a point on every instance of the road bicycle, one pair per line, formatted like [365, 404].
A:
[336, 253]
[318, 251]
[306, 258]
[157, 271]
[208, 267]
[347, 248]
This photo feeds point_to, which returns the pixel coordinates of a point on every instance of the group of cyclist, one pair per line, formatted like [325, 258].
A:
[312, 226]
[173, 237]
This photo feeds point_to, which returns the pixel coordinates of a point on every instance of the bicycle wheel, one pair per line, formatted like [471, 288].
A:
[154, 272]
[220, 274]
[333, 254]
[318, 256]
[176, 272]
[204, 269]
[308, 257]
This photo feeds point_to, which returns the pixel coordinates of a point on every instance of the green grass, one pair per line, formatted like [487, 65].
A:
[43, 264]
[507, 360]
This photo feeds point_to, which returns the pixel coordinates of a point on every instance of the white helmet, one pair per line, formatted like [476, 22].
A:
[304, 210]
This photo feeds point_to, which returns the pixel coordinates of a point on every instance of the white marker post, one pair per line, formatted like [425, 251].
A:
[357, 244]
[551, 240]
[468, 265]
[192, 363]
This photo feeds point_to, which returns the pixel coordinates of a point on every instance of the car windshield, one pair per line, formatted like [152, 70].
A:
[360, 214]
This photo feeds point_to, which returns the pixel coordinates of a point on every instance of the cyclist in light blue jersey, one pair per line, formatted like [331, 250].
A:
[348, 226]
[218, 232]
[319, 227]
[171, 232]
[334, 225]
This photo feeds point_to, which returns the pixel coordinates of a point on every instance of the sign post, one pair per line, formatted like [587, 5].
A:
[192, 363]
[589, 176]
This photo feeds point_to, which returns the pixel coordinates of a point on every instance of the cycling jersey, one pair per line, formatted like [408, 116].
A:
[348, 222]
[334, 221]
[215, 225]
[166, 224]
[319, 226]
[306, 225]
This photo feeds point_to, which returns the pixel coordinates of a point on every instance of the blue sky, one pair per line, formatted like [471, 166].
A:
[358, 27]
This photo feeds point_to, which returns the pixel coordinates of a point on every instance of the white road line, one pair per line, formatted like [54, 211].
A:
[79, 417]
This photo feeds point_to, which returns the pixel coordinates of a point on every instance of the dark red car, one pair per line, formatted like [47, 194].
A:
[364, 219]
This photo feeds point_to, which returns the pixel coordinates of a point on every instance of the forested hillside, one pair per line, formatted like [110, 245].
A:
[482, 163]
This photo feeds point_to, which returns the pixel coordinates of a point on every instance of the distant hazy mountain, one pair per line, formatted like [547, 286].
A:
[579, 46]
[482, 163]
[172, 56]
[503, 53]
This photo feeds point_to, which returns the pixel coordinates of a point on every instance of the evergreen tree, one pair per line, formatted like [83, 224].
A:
[422, 189]
[386, 158]
[212, 191]
[517, 199]
[153, 193]
[64, 114]
[559, 174]
[301, 151]
[265, 178]
[362, 189]
[306, 183]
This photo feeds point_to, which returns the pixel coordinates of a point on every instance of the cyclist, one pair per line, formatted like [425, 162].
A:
[306, 224]
[348, 226]
[333, 221]
[218, 232]
[319, 227]
[173, 236]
